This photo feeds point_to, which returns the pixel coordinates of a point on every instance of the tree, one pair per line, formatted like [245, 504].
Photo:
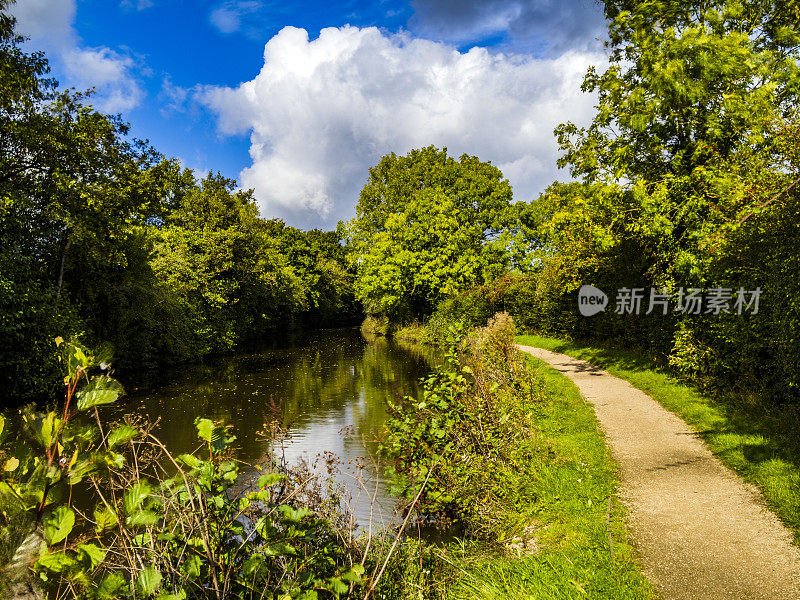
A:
[319, 259]
[427, 227]
[72, 188]
[221, 265]
[688, 178]
[692, 88]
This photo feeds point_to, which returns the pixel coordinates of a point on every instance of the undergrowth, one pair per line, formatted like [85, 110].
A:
[508, 448]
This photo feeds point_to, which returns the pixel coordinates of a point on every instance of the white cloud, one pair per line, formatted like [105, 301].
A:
[228, 17]
[321, 112]
[50, 26]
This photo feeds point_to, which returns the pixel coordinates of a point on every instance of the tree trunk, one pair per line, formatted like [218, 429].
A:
[61, 272]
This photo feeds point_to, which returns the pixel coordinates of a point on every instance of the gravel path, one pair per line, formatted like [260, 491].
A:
[701, 532]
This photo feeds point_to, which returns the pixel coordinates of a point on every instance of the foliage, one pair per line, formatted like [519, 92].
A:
[373, 326]
[686, 179]
[104, 237]
[71, 186]
[319, 259]
[185, 532]
[459, 432]
[515, 455]
[427, 227]
[217, 259]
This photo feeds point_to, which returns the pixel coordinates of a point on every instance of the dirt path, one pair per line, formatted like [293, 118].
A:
[701, 531]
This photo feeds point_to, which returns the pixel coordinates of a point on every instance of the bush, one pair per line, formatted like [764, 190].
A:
[375, 325]
[453, 446]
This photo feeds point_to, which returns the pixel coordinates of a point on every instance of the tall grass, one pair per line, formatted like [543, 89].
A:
[566, 497]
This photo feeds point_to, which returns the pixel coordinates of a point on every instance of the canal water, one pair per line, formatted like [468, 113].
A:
[327, 389]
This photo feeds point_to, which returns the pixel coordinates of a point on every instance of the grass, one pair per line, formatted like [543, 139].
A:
[562, 493]
[753, 436]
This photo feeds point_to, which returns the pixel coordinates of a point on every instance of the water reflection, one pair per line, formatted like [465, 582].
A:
[328, 389]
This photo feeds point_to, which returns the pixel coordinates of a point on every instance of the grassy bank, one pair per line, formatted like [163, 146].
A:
[563, 494]
[521, 463]
[753, 436]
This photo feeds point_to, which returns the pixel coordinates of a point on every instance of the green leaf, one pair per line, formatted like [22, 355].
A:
[56, 562]
[269, 479]
[205, 428]
[191, 567]
[214, 434]
[337, 586]
[121, 434]
[145, 518]
[179, 595]
[104, 518]
[190, 460]
[102, 389]
[280, 549]
[94, 554]
[81, 469]
[114, 459]
[58, 525]
[135, 495]
[109, 588]
[294, 515]
[42, 427]
[252, 564]
[148, 581]
[77, 358]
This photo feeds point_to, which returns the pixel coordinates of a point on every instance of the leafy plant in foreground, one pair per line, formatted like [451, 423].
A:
[154, 526]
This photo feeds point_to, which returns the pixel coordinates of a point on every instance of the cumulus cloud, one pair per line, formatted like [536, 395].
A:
[50, 26]
[551, 25]
[321, 112]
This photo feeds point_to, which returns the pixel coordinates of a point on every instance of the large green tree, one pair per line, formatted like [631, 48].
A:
[428, 226]
[692, 88]
[217, 260]
[686, 175]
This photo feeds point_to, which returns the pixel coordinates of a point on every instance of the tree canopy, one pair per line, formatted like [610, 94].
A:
[103, 237]
[427, 226]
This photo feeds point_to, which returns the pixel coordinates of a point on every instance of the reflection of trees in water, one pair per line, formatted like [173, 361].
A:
[336, 373]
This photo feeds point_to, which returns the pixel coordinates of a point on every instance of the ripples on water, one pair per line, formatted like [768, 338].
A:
[328, 388]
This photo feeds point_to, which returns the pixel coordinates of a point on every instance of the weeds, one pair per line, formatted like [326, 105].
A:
[150, 524]
[523, 468]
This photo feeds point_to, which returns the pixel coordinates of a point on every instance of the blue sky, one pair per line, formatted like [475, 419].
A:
[298, 99]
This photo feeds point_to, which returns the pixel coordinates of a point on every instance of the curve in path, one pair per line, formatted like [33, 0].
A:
[700, 531]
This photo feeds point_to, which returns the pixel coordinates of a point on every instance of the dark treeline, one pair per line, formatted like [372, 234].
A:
[105, 238]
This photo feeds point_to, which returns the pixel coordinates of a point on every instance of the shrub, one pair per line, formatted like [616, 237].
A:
[452, 446]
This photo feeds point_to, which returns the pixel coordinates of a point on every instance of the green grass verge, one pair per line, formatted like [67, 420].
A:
[563, 491]
[751, 435]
